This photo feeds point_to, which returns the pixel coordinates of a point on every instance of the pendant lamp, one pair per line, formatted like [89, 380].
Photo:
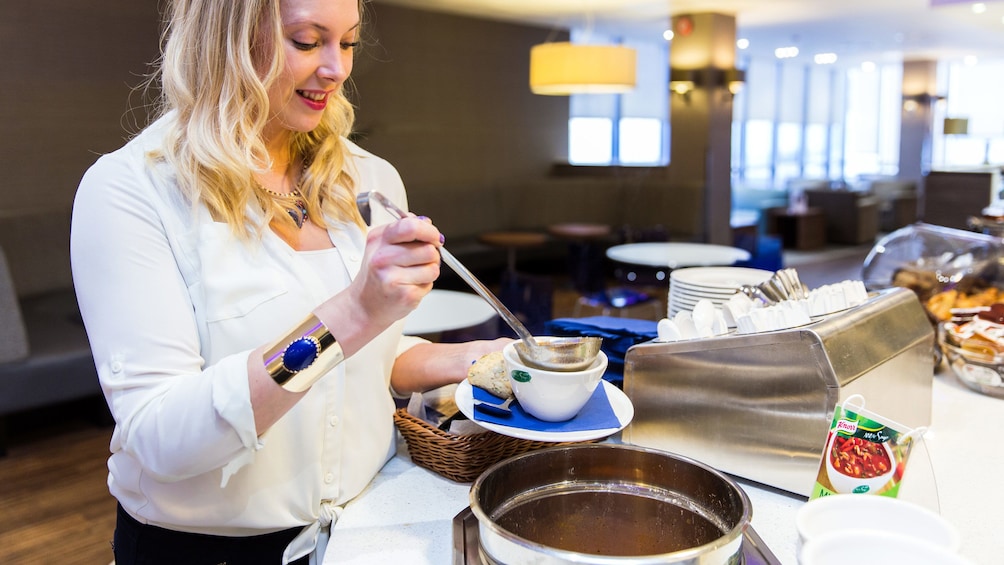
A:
[956, 126]
[562, 68]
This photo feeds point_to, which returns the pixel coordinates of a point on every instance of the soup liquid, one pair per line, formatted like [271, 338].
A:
[609, 523]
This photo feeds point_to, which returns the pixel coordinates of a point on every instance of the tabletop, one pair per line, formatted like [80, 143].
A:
[406, 514]
[579, 231]
[675, 255]
[444, 310]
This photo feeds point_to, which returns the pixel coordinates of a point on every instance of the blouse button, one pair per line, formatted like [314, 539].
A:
[329, 478]
[333, 421]
[116, 366]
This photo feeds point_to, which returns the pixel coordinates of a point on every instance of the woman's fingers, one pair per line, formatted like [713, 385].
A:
[411, 244]
[413, 229]
[400, 265]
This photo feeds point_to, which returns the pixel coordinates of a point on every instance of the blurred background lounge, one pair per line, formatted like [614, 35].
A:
[797, 131]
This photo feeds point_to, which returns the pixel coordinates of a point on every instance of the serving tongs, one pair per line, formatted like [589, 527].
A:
[556, 354]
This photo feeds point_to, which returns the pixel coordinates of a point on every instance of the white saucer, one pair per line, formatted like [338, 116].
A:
[718, 278]
[678, 288]
[619, 401]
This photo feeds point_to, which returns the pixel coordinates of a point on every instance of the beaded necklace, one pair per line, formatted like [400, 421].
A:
[298, 211]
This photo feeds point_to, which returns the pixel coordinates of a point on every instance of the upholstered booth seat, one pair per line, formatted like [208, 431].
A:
[898, 202]
[852, 216]
[45, 357]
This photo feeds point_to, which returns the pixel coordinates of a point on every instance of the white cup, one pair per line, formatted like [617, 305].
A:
[843, 514]
[868, 547]
[552, 396]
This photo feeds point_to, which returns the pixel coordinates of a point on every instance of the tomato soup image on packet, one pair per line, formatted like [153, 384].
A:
[864, 454]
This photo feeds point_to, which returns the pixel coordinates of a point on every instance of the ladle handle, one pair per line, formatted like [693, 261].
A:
[469, 278]
[510, 318]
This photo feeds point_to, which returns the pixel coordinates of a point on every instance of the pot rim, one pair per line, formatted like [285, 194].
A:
[732, 536]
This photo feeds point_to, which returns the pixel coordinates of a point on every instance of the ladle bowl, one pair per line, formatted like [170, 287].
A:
[565, 354]
[560, 353]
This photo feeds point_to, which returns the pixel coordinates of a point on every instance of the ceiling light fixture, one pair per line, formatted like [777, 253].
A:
[786, 52]
[742, 43]
[735, 79]
[979, 8]
[682, 81]
[563, 68]
[825, 58]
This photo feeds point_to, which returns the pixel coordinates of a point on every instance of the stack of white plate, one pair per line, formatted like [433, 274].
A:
[717, 284]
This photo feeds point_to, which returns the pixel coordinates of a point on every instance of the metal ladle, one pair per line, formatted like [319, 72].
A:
[553, 354]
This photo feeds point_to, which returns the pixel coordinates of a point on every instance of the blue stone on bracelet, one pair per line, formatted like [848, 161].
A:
[300, 354]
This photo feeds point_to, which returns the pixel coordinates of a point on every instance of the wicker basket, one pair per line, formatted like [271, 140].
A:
[459, 457]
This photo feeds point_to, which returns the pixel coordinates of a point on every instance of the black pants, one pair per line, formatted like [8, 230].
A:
[141, 544]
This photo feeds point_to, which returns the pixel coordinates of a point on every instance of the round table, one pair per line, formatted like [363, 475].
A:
[676, 255]
[444, 310]
[511, 241]
[585, 256]
[579, 231]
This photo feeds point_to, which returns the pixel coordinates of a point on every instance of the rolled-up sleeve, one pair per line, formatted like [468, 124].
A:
[175, 415]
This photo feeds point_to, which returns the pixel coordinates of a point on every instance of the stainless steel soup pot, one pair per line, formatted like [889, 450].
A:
[608, 504]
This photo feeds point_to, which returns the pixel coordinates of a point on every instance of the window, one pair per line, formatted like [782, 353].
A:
[973, 92]
[642, 116]
[794, 119]
[640, 141]
[590, 141]
[797, 120]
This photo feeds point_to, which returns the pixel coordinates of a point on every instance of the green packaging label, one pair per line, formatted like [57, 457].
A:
[864, 453]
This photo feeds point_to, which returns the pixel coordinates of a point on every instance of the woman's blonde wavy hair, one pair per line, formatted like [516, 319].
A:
[218, 59]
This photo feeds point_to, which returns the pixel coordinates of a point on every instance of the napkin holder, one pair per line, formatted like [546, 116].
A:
[758, 406]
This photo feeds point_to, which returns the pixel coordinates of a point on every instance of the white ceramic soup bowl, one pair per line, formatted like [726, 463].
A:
[552, 396]
[839, 513]
[867, 547]
[845, 483]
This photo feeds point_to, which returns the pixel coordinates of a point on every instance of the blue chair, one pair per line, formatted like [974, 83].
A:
[621, 300]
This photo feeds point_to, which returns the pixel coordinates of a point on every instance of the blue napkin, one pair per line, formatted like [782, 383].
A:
[618, 334]
[597, 414]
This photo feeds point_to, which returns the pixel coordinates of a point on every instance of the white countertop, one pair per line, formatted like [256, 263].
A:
[406, 514]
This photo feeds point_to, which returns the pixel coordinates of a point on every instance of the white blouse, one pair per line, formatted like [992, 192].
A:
[173, 303]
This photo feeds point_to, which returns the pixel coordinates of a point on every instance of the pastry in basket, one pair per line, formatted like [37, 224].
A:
[979, 335]
[923, 282]
[941, 304]
[489, 373]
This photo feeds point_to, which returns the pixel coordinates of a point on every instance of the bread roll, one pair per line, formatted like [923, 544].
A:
[489, 373]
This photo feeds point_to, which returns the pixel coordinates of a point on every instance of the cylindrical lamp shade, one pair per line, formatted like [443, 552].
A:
[956, 126]
[564, 68]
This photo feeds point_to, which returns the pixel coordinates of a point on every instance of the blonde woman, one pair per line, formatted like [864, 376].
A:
[245, 323]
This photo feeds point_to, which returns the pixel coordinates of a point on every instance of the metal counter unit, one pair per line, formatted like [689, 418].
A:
[759, 406]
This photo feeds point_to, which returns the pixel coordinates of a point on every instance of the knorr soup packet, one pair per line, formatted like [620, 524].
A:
[864, 454]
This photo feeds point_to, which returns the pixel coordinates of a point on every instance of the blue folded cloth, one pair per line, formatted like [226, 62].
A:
[619, 335]
[597, 414]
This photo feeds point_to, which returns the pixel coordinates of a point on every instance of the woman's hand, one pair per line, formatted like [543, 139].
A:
[400, 264]
[432, 365]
